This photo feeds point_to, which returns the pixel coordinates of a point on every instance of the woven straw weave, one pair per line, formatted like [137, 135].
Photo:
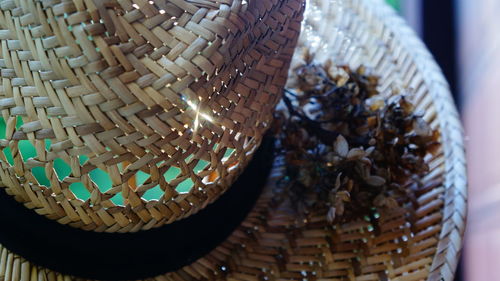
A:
[420, 242]
[169, 97]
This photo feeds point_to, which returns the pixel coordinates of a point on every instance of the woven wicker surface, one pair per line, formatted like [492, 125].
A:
[420, 242]
[165, 97]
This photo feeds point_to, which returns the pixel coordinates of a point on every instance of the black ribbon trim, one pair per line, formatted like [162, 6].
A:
[117, 256]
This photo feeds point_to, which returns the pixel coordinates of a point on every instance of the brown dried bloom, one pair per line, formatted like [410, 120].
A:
[348, 150]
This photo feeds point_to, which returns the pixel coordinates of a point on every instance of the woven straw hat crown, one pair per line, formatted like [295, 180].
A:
[126, 115]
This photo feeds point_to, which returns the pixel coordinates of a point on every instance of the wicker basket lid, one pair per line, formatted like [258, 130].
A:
[121, 115]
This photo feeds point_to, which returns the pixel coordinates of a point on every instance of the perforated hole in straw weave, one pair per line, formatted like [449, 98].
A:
[126, 115]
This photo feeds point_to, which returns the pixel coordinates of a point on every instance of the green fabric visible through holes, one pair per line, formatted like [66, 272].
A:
[396, 4]
[99, 177]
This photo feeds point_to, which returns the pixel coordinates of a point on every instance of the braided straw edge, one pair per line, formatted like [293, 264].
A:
[455, 209]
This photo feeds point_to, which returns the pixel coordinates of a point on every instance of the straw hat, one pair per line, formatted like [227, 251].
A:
[230, 239]
[127, 115]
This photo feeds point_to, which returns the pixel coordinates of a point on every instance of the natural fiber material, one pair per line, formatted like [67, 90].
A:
[420, 242]
[165, 98]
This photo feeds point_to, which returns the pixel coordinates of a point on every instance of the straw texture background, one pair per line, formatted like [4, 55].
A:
[420, 242]
[167, 97]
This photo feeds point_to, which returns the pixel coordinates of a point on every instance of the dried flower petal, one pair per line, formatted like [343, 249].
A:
[337, 181]
[421, 127]
[355, 154]
[375, 180]
[341, 146]
[344, 195]
[330, 216]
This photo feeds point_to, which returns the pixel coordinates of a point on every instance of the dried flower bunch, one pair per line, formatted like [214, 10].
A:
[347, 150]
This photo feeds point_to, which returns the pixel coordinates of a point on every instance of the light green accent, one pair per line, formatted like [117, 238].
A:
[27, 150]
[80, 191]
[82, 159]
[118, 199]
[396, 4]
[185, 186]
[19, 122]
[6, 150]
[171, 174]
[62, 168]
[189, 158]
[101, 179]
[41, 177]
[8, 155]
[228, 153]
[153, 194]
[2, 128]
[200, 166]
[141, 177]
[48, 142]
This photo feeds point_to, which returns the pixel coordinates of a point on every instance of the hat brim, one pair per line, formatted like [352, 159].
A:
[417, 242]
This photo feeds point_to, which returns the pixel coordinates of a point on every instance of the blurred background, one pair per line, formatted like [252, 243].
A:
[464, 38]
